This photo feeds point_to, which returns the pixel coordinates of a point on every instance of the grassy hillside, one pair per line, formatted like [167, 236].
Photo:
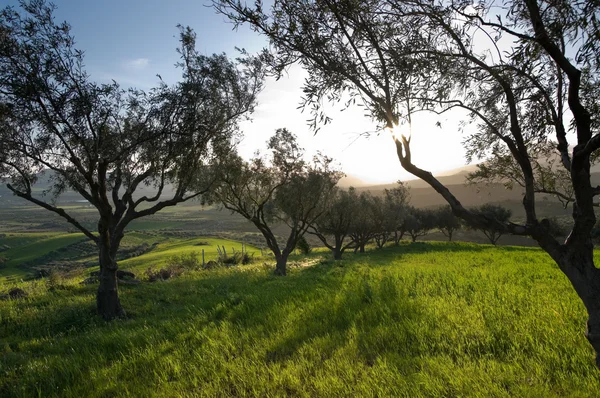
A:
[22, 252]
[428, 319]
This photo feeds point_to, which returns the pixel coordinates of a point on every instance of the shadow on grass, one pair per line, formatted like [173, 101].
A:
[405, 248]
[319, 302]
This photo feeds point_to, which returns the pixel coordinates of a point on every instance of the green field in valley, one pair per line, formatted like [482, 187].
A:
[426, 319]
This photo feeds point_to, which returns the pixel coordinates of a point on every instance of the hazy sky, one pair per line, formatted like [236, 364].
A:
[131, 41]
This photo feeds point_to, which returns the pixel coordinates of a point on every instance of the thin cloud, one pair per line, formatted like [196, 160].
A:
[137, 64]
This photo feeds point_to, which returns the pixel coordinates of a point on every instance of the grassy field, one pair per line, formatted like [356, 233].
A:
[26, 248]
[425, 319]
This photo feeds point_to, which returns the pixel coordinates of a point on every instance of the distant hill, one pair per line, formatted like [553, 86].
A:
[422, 195]
[351, 181]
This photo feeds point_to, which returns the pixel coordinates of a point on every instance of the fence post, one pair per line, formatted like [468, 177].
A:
[202, 258]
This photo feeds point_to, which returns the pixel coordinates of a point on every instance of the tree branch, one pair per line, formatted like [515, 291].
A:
[57, 210]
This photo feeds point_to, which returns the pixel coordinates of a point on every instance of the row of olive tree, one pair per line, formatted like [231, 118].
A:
[351, 220]
[105, 142]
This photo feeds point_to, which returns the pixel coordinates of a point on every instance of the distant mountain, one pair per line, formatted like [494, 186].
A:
[454, 179]
[351, 181]
[422, 195]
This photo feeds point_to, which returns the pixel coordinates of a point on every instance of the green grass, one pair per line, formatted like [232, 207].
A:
[160, 255]
[429, 319]
[34, 249]
[26, 247]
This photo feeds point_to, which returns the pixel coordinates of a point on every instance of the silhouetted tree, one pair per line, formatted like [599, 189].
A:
[105, 142]
[493, 212]
[384, 224]
[418, 222]
[400, 56]
[388, 214]
[364, 226]
[281, 189]
[446, 221]
[396, 202]
[335, 224]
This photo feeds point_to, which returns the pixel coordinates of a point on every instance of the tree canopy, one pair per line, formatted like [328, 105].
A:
[281, 188]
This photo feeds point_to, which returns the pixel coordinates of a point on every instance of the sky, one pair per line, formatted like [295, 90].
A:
[131, 41]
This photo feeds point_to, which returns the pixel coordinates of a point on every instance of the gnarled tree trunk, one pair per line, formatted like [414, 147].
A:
[281, 265]
[578, 265]
[107, 297]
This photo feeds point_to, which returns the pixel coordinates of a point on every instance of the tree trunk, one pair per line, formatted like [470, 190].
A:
[593, 324]
[396, 239]
[107, 297]
[337, 253]
[280, 267]
[362, 247]
[578, 266]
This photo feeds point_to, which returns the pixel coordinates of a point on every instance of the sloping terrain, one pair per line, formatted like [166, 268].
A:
[425, 319]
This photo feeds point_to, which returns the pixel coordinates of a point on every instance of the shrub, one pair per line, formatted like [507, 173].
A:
[236, 259]
[188, 261]
[163, 274]
[54, 280]
[303, 245]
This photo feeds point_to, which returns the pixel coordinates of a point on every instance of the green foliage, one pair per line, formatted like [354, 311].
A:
[162, 274]
[433, 319]
[303, 246]
[189, 261]
[236, 258]
[446, 221]
[495, 214]
[280, 188]
[418, 222]
[54, 280]
[335, 224]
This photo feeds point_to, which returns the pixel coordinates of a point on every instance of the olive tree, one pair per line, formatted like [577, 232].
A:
[493, 212]
[418, 222]
[388, 212]
[526, 77]
[396, 202]
[105, 142]
[281, 189]
[446, 221]
[334, 226]
[365, 224]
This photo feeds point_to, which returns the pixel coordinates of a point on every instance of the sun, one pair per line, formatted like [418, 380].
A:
[400, 131]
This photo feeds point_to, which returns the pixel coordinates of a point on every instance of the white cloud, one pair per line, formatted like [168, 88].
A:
[137, 64]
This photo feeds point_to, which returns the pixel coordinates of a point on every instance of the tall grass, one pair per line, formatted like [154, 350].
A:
[429, 319]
